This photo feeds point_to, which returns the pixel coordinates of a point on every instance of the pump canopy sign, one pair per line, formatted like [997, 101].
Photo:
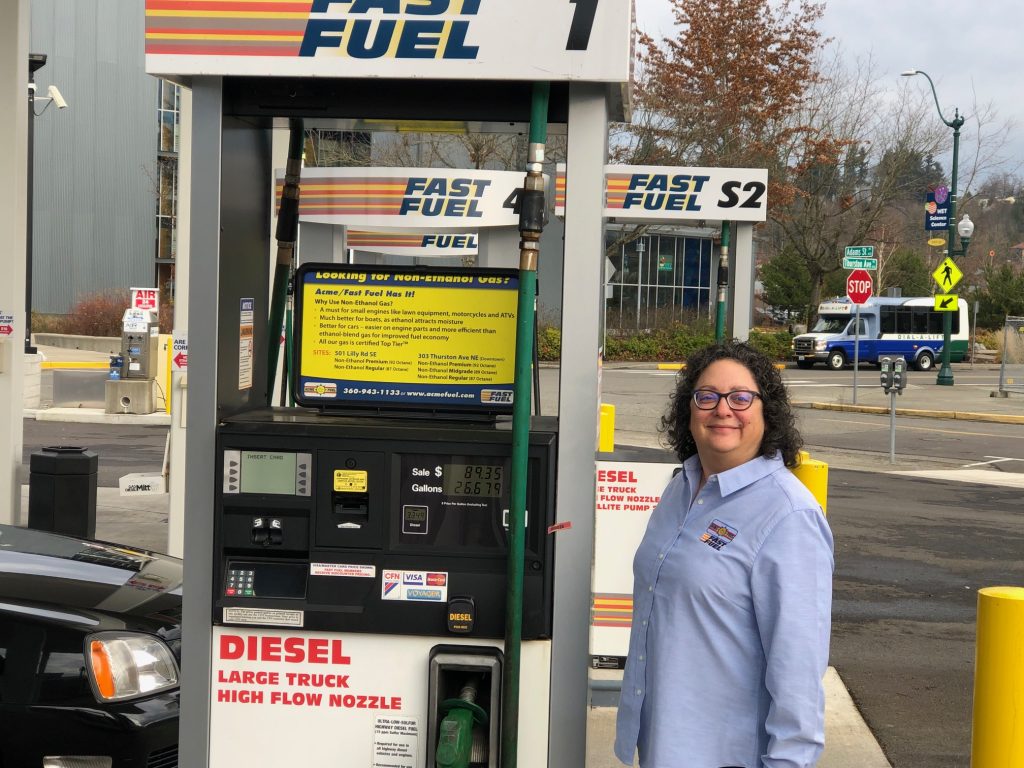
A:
[422, 198]
[650, 193]
[582, 40]
[413, 337]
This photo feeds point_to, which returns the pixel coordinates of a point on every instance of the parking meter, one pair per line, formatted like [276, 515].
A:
[893, 374]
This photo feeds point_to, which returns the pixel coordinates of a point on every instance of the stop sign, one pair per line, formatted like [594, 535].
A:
[859, 286]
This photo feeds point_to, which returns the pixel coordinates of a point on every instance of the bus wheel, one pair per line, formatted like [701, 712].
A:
[925, 361]
[836, 359]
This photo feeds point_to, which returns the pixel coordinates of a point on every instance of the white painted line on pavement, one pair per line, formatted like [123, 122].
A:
[977, 476]
[994, 460]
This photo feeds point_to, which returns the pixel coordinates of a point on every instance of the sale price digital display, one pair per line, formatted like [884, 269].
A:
[406, 337]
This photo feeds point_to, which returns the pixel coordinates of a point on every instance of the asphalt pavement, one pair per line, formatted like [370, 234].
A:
[142, 522]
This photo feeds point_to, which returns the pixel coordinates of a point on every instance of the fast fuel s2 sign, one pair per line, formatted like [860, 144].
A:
[658, 193]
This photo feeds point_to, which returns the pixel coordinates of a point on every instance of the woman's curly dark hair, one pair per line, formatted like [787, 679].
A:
[780, 433]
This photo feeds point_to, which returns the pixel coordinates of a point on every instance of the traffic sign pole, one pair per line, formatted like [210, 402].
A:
[856, 349]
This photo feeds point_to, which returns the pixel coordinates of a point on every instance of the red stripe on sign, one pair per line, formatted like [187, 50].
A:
[296, 6]
[213, 50]
[223, 33]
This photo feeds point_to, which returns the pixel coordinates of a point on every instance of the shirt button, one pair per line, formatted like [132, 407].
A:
[700, 501]
[650, 588]
[645, 622]
[639, 692]
[661, 557]
[641, 658]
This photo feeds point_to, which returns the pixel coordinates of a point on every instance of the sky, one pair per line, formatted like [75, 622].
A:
[970, 48]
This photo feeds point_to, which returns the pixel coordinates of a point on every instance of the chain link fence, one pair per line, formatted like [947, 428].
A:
[1011, 372]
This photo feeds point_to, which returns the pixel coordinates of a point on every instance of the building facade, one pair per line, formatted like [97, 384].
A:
[104, 165]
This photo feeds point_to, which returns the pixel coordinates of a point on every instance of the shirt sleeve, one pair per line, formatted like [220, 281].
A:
[791, 585]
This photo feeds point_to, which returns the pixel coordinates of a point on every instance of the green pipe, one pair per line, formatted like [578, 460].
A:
[531, 223]
[723, 284]
[287, 236]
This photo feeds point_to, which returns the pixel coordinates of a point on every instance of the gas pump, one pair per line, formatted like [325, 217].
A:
[346, 560]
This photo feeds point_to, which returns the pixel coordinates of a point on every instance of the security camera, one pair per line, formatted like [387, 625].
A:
[54, 94]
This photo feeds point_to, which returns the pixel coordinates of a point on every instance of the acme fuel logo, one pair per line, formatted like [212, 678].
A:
[658, 192]
[442, 196]
[391, 29]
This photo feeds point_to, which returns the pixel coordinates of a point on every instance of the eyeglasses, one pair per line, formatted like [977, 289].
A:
[738, 399]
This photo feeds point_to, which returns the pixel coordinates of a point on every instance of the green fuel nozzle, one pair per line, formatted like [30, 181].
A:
[455, 739]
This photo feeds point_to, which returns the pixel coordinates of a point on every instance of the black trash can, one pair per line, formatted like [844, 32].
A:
[62, 491]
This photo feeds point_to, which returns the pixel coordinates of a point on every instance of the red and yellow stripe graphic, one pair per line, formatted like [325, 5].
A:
[351, 197]
[611, 610]
[226, 27]
[560, 191]
[367, 239]
[616, 187]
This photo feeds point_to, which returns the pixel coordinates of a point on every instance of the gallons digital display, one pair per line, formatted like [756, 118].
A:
[426, 338]
[265, 472]
[473, 480]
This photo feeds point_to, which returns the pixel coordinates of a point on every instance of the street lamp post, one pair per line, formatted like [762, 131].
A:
[945, 371]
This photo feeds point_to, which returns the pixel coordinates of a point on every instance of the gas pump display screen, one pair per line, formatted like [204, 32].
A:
[263, 472]
[473, 480]
[454, 501]
[437, 339]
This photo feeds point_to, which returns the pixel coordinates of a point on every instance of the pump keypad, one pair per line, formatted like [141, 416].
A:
[240, 583]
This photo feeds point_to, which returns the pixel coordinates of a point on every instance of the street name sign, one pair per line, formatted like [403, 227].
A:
[859, 286]
[946, 302]
[859, 251]
[947, 274]
[852, 262]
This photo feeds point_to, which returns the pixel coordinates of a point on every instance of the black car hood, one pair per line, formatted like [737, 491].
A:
[89, 579]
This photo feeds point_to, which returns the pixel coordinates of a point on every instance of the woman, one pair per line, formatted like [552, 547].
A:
[732, 584]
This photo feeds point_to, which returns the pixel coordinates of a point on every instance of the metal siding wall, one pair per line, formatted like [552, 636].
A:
[95, 162]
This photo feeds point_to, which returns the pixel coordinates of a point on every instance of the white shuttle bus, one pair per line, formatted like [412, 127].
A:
[910, 327]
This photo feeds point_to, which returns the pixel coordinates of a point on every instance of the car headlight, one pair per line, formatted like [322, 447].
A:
[125, 666]
[820, 344]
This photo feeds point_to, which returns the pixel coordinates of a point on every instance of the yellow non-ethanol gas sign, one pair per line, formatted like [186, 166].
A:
[406, 337]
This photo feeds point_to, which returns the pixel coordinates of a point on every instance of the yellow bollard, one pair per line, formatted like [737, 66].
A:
[814, 475]
[606, 431]
[998, 732]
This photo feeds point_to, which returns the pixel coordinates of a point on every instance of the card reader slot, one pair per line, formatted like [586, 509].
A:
[350, 510]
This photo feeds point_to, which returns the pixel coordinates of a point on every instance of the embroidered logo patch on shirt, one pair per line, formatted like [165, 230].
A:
[718, 534]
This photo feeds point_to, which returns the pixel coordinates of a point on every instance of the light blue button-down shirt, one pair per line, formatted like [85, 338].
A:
[732, 599]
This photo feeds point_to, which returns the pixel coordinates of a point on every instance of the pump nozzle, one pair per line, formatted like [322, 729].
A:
[455, 740]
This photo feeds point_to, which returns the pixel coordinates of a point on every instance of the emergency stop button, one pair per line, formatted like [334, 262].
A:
[461, 615]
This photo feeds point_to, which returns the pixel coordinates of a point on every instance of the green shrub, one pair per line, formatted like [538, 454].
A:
[774, 344]
[549, 343]
[98, 314]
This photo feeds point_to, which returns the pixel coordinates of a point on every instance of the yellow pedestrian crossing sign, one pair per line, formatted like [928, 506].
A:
[947, 275]
[945, 302]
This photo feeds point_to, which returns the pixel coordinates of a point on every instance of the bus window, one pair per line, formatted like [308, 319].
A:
[887, 319]
[827, 324]
[919, 319]
[903, 320]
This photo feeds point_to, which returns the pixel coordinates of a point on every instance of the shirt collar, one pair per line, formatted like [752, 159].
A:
[737, 478]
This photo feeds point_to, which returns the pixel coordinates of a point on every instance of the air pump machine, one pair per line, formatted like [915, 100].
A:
[344, 572]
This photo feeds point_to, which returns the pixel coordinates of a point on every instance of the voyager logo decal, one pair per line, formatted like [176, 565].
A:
[718, 534]
[320, 389]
